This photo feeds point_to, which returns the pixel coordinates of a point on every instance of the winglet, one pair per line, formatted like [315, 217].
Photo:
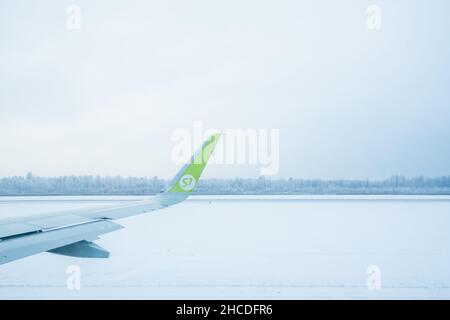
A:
[184, 182]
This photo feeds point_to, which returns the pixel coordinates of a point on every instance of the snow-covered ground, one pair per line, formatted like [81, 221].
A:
[250, 247]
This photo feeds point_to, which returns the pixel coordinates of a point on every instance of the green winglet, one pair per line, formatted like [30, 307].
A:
[189, 175]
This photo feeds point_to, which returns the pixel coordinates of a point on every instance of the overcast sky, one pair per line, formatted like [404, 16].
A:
[349, 102]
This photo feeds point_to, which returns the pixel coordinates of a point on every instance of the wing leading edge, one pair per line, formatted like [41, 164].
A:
[72, 232]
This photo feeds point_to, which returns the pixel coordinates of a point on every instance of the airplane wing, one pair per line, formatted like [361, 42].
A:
[72, 232]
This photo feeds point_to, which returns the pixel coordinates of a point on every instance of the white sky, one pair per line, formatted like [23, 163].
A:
[349, 102]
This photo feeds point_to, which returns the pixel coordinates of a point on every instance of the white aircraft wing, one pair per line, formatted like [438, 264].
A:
[72, 232]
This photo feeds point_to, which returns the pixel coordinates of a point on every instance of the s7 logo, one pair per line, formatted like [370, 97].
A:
[187, 182]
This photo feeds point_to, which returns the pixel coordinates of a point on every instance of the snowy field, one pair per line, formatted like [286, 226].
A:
[250, 247]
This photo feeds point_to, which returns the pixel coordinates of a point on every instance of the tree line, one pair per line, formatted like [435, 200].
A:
[105, 185]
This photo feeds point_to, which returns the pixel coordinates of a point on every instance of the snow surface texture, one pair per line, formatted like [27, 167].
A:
[250, 247]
